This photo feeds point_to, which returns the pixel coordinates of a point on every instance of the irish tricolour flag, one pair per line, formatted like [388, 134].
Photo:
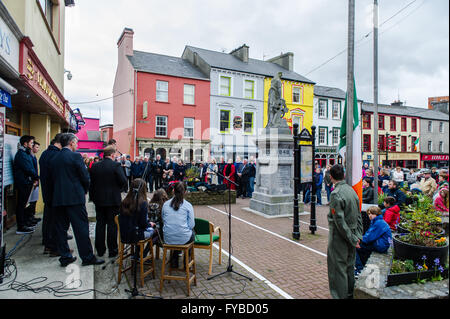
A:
[357, 151]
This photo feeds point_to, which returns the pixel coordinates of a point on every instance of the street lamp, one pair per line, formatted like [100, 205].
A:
[69, 74]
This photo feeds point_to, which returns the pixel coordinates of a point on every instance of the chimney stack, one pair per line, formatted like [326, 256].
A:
[285, 60]
[125, 42]
[397, 103]
[241, 53]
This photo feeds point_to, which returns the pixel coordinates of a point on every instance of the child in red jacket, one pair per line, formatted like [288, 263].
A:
[392, 213]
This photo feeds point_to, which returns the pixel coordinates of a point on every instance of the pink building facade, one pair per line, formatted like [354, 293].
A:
[89, 139]
[161, 103]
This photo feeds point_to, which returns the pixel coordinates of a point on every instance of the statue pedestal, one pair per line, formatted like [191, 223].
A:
[274, 191]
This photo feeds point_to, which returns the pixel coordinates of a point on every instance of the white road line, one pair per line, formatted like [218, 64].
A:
[316, 226]
[257, 275]
[270, 232]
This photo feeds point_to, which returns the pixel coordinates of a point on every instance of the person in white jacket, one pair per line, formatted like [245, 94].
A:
[398, 175]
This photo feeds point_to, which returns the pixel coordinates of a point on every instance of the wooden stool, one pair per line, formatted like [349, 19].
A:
[128, 250]
[188, 264]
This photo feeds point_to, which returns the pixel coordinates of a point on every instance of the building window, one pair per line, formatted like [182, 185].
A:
[441, 127]
[441, 146]
[430, 146]
[404, 124]
[225, 85]
[430, 126]
[188, 127]
[297, 95]
[189, 94]
[161, 126]
[249, 89]
[323, 132]
[403, 143]
[162, 91]
[335, 134]
[367, 143]
[225, 121]
[248, 122]
[366, 121]
[47, 9]
[413, 125]
[323, 108]
[336, 111]
[382, 142]
[381, 122]
[198, 155]
[393, 123]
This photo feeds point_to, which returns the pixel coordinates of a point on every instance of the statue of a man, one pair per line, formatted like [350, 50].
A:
[276, 105]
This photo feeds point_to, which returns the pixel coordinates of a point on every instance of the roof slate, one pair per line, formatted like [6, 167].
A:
[229, 62]
[329, 92]
[164, 64]
[407, 110]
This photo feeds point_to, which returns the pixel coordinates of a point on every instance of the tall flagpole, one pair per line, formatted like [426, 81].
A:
[376, 160]
[350, 91]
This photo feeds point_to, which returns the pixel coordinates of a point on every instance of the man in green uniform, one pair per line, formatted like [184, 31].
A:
[345, 232]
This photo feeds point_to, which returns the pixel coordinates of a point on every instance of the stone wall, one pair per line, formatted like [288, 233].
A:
[371, 283]
[210, 198]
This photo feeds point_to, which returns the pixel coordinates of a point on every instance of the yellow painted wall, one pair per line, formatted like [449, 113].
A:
[40, 128]
[305, 107]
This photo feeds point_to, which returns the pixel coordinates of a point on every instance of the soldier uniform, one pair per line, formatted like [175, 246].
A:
[345, 229]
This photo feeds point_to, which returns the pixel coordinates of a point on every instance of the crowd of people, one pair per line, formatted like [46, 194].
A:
[66, 178]
[163, 174]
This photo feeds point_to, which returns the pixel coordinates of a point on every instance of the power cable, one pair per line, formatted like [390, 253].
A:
[367, 35]
[108, 98]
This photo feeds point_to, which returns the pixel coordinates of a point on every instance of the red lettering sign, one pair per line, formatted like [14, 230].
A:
[435, 157]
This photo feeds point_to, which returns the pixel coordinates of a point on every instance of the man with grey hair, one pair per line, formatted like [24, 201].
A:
[71, 184]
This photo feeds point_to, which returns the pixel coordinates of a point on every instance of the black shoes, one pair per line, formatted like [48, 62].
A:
[93, 261]
[66, 262]
[24, 230]
[69, 237]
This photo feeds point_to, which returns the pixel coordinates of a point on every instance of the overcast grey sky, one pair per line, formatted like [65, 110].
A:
[413, 45]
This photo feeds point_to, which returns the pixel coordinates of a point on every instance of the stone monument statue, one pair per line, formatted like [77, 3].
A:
[276, 105]
[274, 193]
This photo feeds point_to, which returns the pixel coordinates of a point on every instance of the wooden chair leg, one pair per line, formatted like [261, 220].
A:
[120, 262]
[161, 282]
[194, 272]
[141, 261]
[188, 281]
[210, 259]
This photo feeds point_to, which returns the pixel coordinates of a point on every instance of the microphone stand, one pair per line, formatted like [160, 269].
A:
[135, 292]
[230, 266]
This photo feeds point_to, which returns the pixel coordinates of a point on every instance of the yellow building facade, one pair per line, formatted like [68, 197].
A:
[299, 98]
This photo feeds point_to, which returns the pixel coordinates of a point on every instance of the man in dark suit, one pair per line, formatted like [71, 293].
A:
[25, 177]
[71, 184]
[48, 229]
[158, 171]
[107, 182]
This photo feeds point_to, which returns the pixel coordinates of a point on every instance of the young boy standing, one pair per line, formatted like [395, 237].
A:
[377, 238]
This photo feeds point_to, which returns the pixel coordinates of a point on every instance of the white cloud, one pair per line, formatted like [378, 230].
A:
[413, 46]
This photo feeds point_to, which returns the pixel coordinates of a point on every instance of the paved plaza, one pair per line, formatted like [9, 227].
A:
[262, 249]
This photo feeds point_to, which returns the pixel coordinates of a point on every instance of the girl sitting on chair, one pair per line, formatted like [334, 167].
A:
[134, 215]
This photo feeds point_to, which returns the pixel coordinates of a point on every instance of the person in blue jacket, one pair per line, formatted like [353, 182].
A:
[377, 238]
[393, 191]
[319, 182]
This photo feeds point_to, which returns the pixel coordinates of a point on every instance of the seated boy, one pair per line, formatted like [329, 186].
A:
[392, 213]
[377, 238]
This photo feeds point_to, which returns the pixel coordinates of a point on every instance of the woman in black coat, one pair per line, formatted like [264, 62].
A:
[368, 196]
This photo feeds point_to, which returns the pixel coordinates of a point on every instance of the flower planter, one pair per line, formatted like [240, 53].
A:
[405, 251]
[411, 277]
[401, 229]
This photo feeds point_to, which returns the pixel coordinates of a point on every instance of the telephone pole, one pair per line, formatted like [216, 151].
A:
[350, 91]
[375, 100]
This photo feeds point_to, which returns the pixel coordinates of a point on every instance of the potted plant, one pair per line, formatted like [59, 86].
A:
[403, 272]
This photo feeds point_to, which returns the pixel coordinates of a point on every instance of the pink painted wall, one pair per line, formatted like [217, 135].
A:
[92, 124]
